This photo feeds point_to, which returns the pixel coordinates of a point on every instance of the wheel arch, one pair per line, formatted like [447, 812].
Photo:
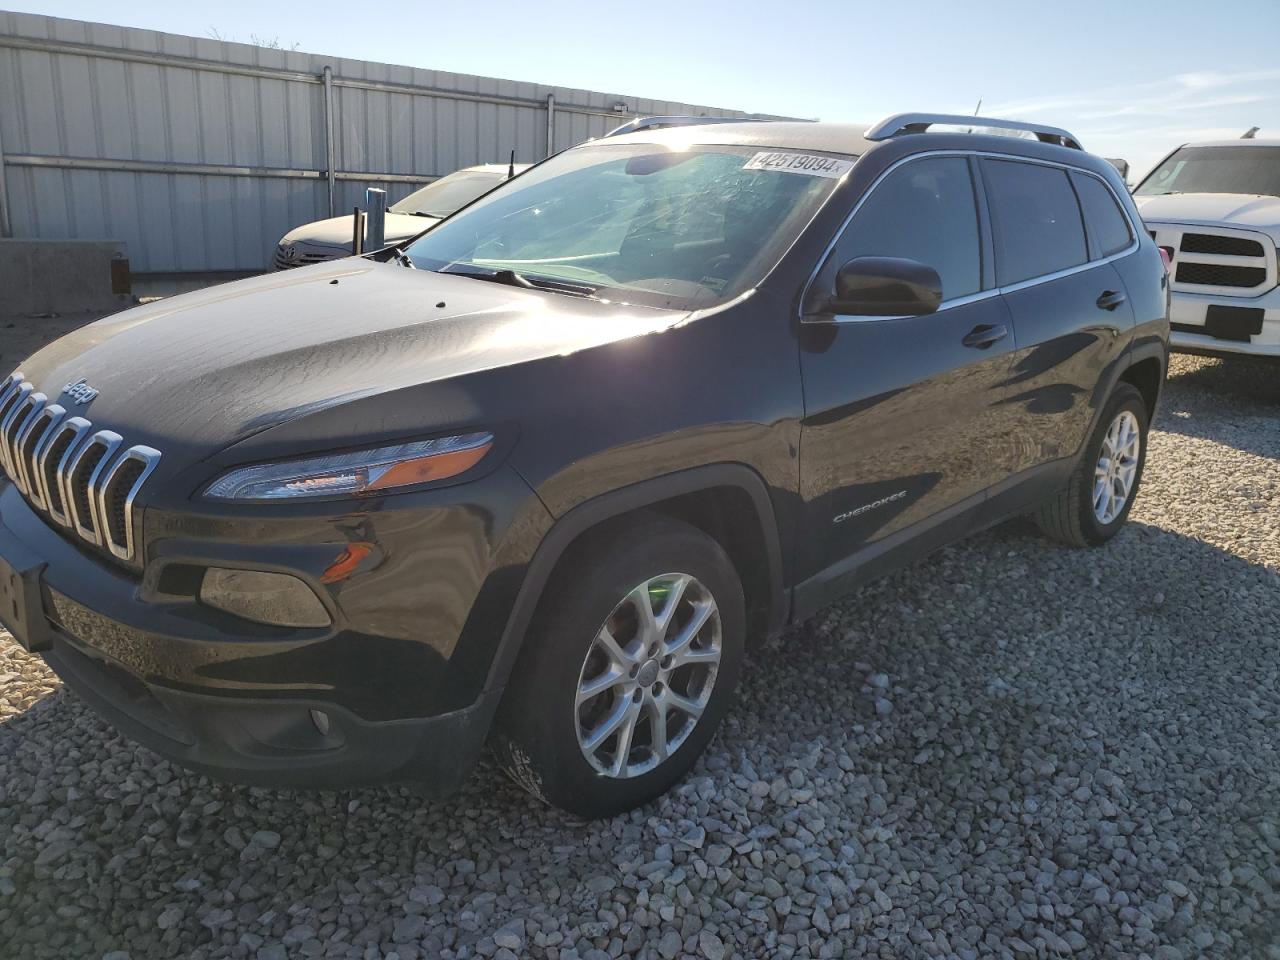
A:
[728, 501]
[1146, 372]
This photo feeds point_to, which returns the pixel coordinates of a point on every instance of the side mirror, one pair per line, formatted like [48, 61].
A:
[885, 287]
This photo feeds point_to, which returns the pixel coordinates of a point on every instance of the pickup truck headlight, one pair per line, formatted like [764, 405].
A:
[361, 472]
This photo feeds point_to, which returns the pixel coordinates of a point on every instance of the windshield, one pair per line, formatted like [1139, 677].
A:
[1247, 170]
[640, 223]
[448, 194]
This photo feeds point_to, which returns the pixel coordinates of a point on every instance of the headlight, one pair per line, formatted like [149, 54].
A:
[344, 474]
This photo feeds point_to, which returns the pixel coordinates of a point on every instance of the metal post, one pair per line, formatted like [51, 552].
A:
[5, 229]
[328, 135]
[357, 232]
[551, 124]
[375, 201]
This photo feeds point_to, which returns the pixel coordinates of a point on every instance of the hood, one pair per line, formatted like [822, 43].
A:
[335, 233]
[1235, 209]
[205, 370]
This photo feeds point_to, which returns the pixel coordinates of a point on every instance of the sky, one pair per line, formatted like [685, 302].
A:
[1130, 79]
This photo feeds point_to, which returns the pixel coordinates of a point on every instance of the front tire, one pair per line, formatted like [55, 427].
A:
[627, 670]
[1096, 500]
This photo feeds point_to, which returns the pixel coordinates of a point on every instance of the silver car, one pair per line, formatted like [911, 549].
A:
[331, 239]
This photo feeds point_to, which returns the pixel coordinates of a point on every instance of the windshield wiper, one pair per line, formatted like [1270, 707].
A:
[404, 258]
[509, 277]
[513, 279]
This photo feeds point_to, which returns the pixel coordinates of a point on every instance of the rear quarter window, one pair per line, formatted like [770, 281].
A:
[1109, 225]
[1038, 229]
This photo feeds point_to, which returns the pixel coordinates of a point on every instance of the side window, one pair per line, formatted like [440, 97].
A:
[923, 211]
[1110, 226]
[1038, 229]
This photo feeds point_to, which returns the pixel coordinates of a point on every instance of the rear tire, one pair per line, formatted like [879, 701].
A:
[1095, 502]
[592, 658]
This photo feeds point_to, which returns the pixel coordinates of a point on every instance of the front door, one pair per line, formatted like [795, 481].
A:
[903, 415]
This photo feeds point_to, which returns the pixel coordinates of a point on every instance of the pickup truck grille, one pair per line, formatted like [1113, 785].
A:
[82, 479]
[1219, 275]
[1225, 261]
[1215, 243]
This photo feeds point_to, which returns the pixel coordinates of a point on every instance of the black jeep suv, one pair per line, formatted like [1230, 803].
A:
[542, 474]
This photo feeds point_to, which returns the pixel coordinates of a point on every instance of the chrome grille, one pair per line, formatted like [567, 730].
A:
[15, 398]
[283, 261]
[83, 480]
[25, 417]
[116, 493]
[30, 440]
[53, 459]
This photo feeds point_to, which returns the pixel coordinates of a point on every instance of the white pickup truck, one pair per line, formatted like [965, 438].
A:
[1215, 209]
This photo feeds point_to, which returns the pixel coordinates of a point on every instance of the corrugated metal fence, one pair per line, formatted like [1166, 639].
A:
[200, 154]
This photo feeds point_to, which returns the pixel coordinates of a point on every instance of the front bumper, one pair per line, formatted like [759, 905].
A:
[267, 743]
[1188, 313]
[400, 677]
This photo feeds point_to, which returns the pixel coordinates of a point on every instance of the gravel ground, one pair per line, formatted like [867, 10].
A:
[1010, 750]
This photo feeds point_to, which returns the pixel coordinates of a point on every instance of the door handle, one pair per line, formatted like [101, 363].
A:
[984, 335]
[1110, 299]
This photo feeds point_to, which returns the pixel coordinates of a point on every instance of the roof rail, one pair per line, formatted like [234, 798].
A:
[902, 123]
[656, 123]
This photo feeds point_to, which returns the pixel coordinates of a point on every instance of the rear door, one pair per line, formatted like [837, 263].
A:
[901, 412]
[1070, 311]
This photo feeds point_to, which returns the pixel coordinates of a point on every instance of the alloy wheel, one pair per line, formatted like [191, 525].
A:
[648, 675]
[1117, 467]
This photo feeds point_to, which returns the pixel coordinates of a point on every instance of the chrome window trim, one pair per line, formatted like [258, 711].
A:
[149, 457]
[1134, 238]
[52, 415]
[112, 441]
[36, 402]
[23, 393]
[1059, 274]
[80, 426]
[876, 318]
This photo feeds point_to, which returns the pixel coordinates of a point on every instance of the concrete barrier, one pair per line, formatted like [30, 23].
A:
[63, 276]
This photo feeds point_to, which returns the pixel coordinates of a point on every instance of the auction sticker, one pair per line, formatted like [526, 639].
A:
[809, 164]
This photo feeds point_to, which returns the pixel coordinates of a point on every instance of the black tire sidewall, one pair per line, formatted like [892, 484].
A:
[1126, 397]
[539, 718]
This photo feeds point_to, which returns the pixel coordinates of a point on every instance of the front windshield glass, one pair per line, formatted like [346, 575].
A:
[447, 194]
[640, 223]
[1247, 170]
